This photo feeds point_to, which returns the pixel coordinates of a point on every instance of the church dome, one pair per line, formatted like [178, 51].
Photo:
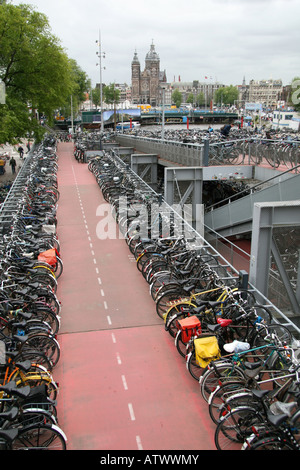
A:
[152, 54]
[135, 59]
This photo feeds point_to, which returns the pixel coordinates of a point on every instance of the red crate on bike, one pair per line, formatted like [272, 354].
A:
[48, 256]
[189, 326]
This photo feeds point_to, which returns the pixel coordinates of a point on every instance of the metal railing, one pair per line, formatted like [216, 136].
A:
[199, 242]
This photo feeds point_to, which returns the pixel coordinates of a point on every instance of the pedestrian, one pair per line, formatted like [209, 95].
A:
[28, 147]
[13, 163]
[225, 130]
[2, 165]
[21, 151]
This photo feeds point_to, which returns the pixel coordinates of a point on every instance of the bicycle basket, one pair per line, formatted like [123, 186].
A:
[48, 256]
[188, 327]
[206, 350]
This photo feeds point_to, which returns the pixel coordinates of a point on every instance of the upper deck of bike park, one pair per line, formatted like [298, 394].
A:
[235, 217]
[122, 383]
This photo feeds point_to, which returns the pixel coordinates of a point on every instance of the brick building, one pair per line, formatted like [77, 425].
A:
[146, 84]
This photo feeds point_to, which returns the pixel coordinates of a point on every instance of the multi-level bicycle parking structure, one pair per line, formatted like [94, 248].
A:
[205, 301]
[29, 308]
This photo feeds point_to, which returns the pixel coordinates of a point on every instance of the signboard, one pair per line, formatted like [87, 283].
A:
[253, 106]
[122, 114]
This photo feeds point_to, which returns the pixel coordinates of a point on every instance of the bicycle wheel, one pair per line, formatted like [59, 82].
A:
[45, 344]
[235, 427]
[218, 374]
[47, 315]
[164, 307]
[40, 436]
[45, 279]
[218, 397]
[172, 324]
[193, 367]
[274, 333]
[181, 306]
[180, 345]
[36, 378]
[272, 443]
[58, 267]
[36, 416]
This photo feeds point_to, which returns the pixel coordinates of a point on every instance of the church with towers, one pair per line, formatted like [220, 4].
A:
[146, 85]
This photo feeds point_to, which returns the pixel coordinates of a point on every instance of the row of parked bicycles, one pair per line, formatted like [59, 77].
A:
[245, 362]
[30, 267]
[240, 146]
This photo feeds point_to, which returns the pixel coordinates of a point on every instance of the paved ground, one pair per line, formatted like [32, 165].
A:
[123, 385]
[12, 151]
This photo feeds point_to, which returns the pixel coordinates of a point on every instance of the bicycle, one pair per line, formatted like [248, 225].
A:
[235, 429]
[228, 368]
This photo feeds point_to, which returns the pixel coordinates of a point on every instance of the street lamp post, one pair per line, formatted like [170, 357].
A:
[163, 113]
[100, 55]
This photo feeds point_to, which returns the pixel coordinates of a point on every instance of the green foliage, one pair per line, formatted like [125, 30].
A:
[177, 98]
[226, 95]
[190, 98]
[200, 99]
[111, 94]
[96, 96]
[38, 75]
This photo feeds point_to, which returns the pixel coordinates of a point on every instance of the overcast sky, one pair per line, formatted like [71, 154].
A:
[224, 40]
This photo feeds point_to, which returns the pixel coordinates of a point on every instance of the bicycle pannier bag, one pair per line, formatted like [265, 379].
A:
[206, 350]
[188, 327]
[48, 256]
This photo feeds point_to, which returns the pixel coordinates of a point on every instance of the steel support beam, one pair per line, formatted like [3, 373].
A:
[193, 212]
[267, 216]
[150, 160]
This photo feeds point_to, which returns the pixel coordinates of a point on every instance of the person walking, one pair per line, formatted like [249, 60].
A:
[13, 163]
[2, 165]
[21, 152]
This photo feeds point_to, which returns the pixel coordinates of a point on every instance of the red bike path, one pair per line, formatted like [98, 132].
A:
[122, 383]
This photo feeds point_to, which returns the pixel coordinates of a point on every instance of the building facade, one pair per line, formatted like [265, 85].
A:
[146, 85]
[266, 92]
[206, 90]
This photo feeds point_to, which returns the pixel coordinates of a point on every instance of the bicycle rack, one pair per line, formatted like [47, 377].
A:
[196, 241]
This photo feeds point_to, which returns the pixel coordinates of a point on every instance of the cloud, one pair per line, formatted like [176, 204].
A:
[227, 39]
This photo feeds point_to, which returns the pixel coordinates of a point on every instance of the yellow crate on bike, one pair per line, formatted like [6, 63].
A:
[189, 326]
[206, 350]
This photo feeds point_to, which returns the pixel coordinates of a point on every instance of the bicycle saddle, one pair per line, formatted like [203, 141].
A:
[11, 389]
[9, 434]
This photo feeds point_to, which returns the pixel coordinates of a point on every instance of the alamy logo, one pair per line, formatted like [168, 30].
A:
[296, 93]
[153, 222]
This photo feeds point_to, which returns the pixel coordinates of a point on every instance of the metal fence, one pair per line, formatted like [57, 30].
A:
[175, 152]
[246, 151]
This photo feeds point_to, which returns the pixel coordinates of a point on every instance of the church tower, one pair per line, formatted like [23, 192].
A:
[145, 85]
[152, 65]
[135, 78]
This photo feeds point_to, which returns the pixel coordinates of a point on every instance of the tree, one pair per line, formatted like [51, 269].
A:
[111, 94]
[38, 75]
[200, 99]
[177, 98]
[80, 85]
[226, 95]
[96, 96]
[190, 98]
